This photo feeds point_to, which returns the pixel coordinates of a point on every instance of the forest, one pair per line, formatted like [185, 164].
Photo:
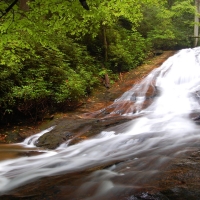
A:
[54, 53]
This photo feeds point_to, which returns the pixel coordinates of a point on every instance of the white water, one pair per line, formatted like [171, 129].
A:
[162, 128]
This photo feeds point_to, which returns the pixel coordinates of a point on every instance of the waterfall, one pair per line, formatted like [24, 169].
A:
[159, 132]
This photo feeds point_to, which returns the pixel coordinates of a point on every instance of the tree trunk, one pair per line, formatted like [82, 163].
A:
[107, 79]
[196, 22]
[105, 44]
[170, 3]
[23, 5]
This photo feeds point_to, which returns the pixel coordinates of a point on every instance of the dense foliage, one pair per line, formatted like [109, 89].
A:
[53, 53]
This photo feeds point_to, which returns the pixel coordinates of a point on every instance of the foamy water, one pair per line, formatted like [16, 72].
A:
[162, 128]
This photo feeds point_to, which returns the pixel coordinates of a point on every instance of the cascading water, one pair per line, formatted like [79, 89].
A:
[142, 146]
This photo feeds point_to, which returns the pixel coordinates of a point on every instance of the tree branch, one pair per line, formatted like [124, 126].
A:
[8, 9]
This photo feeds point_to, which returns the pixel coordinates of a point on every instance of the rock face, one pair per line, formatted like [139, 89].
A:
[52, 140]
[76, 130]
[66, 129]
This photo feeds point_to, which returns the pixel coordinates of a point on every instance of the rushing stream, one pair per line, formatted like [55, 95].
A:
[134, 152]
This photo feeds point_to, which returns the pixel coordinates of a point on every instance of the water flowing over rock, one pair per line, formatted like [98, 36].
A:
[129, 160]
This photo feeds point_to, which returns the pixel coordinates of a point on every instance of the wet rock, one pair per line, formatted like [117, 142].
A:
[158, 52]
[52, 140]
[77, 130]
[147, 196]
[196, 118]
[181, 178]
[178, 193]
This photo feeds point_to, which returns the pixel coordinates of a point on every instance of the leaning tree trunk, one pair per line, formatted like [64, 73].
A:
[196, 22]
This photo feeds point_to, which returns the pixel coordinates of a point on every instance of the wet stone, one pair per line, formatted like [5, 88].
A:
[52, 140]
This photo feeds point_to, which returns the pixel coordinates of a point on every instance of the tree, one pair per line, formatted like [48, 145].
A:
[196, 22]
[23, 5]
[52, 52]
[168, 25]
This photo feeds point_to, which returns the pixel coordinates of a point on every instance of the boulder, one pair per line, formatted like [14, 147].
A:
[52, 140]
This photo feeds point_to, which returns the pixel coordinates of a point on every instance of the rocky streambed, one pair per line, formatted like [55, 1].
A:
[177, 179]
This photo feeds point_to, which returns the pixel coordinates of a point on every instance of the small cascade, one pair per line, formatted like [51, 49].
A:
[164, 100]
